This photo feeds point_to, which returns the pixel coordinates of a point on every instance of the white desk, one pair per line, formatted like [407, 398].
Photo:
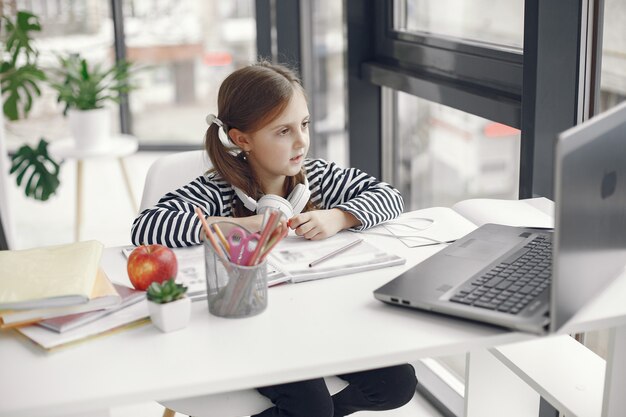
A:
[309, 330]
[119, 147]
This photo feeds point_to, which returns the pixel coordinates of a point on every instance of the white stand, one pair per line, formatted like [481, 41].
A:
[614, 401]
[119, 147]
[493, 390]
[5, 209]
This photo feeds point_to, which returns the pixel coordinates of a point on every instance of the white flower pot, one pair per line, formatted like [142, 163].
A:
[91, 129]
[170, 316]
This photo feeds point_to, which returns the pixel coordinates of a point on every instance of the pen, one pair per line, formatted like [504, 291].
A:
[335, 252]
[221, 236]
[209, 234]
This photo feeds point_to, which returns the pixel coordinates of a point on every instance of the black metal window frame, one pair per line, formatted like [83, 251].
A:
[536, 90]
[484, 79]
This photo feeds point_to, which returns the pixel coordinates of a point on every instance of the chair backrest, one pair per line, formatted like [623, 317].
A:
[171, 172]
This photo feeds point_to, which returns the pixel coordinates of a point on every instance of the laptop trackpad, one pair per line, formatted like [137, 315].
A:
[481, 250]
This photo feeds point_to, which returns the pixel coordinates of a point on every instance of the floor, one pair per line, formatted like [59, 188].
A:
[107, 216]
[417, 407]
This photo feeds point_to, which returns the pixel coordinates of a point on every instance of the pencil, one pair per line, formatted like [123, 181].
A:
[221, 236]
[269, 227]
[273, 242]
[209, 234]
[335, 252]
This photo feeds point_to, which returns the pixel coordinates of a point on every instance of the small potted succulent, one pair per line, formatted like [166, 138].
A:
[169, 308]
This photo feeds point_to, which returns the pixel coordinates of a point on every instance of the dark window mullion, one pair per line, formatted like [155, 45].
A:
[263, 14]
[487, 66]
[550, 98]
[120, 55]
[484, 102]
[288, 33]
[487, 71]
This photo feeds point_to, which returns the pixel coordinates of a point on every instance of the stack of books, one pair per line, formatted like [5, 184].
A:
[58, 289]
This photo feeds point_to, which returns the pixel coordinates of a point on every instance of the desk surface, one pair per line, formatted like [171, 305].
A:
[309, 330]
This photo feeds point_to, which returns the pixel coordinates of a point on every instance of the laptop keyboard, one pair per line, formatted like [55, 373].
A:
[511, 285]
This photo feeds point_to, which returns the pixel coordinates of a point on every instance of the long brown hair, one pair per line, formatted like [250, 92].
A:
[248, 99]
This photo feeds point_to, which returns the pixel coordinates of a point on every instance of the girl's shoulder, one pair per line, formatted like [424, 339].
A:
[312, 165]
[214, 179]
[315, 167]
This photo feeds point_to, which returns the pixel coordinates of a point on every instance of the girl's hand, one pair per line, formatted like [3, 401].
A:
[320, 224]
[252, 223]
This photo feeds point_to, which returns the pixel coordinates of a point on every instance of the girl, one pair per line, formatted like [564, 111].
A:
[258, 143]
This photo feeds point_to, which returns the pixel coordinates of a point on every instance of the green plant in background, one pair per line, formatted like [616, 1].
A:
[44, 172]
[19, 76]
[85, 87]
[19, 73]
[166, 292]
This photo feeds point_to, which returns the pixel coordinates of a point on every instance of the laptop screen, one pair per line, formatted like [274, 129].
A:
[590, 223]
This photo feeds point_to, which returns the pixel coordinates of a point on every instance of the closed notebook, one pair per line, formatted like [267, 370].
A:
[62, 324]
[122, 319]
[104, 295]
[51, 276]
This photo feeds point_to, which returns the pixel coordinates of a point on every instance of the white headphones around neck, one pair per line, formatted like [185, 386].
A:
[292, 205]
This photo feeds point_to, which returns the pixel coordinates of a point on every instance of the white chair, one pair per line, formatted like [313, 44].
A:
[166, 174]
[171, 172]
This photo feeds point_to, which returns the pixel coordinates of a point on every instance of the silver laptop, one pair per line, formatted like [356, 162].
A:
[530, 279]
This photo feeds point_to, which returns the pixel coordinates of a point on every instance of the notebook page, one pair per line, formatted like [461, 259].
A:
[294, 254]
[417, 228]
[507, 212]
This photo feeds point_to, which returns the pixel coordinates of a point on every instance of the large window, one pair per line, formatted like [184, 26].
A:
[443, 155]
[185, 48]
[188, 48]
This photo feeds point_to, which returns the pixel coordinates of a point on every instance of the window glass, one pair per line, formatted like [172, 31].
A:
[189, 47]
[612, 92]
[613, 74]
[494, 21]
[328, 89]
[443, 155]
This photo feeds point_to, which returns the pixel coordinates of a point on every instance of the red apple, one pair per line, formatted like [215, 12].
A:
[150, 263]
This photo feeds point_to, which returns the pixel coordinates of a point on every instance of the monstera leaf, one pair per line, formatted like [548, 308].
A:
[19, 85]
[19, 73]
[36, 167]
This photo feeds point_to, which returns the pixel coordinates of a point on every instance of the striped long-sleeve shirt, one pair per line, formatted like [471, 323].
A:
[172, 221]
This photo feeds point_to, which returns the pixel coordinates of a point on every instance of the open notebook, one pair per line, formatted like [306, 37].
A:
[445, 224]
[293, 255]
[289, 260]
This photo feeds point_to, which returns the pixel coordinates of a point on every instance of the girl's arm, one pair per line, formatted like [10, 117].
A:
[172, 221]
[352, 199]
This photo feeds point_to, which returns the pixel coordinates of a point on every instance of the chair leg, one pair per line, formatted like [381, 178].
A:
[169, 413]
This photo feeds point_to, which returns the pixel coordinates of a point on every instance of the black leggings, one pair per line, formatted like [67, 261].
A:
[375, 390]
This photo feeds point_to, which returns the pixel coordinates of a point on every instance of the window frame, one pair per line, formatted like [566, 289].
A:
[497, 82]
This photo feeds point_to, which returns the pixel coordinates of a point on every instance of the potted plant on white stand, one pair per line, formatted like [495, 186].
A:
[169, 308]
[85, 89]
